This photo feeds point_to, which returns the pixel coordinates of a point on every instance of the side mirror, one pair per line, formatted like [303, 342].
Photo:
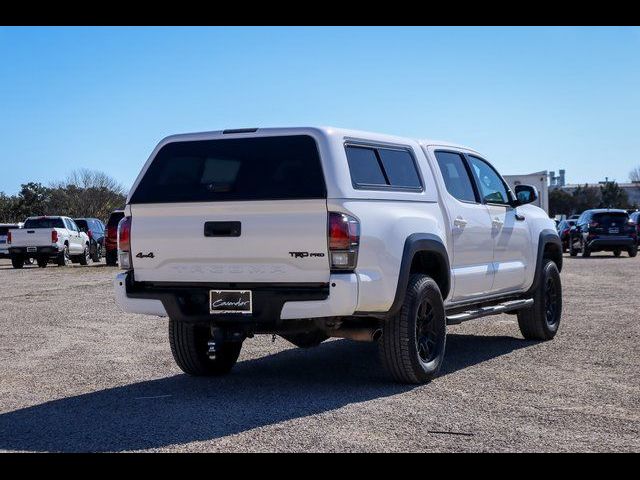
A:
[526, 194]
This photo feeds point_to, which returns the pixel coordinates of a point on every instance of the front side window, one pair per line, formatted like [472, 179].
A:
[492, 188]
[456, 177]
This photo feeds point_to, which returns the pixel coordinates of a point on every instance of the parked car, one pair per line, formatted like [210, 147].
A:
[564, 228]
[111, 237]
[4, 230]
[635, 218]
[607, 230]
[48, 238]
[94, 228]
[312, 233]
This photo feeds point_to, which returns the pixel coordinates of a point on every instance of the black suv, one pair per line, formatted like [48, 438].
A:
[94, 228]
[603, 229]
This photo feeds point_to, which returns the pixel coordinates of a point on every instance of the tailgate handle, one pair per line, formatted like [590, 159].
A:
[31, 231]
[222, 229]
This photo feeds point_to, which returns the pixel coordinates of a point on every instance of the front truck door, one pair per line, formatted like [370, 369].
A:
[470, 227]
[512, 245]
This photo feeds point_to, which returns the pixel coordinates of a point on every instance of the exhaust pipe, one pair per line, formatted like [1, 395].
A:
[357, 334]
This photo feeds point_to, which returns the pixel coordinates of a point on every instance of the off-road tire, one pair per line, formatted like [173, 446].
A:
[633, 251]
[541, 321]
[412, 345]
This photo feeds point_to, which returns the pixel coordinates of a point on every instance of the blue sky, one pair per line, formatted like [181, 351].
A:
[528, 98]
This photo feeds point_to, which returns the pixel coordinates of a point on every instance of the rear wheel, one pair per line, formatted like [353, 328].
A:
[572, 250]
[412, 345]
[633, 251]
[111, 258]
[541, 321]
[585, 250]
[617, 252]
[189, 346]
[42, 262]
[17, 261]
[63, 257]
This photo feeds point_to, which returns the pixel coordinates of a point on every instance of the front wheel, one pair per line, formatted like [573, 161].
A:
[84, 258]
[541, 321]
[97, 253]
[63, 257]
[412, 345]
[572, 250]
[189, 346]
[585, 250]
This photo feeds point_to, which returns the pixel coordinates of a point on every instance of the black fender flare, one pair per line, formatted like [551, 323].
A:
[415, 243]
[546, 237]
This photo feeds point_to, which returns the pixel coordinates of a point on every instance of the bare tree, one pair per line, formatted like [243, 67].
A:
[87, 193]
[634, 175]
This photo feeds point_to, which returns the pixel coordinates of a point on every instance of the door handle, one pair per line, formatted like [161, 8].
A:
[460, 222]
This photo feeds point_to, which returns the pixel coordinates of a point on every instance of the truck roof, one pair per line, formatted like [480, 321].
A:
[326, 130]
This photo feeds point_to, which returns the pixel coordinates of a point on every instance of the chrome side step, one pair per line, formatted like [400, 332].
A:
[486, 311]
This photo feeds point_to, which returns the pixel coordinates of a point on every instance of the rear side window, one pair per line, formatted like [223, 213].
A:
[44, 223]
[255, 168]
[456, 176]
[382, 168]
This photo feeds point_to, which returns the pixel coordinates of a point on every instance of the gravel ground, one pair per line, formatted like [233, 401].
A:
[78, 375]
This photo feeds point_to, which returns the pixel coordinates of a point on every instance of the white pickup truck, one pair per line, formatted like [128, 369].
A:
[311, 233]
[48, 238]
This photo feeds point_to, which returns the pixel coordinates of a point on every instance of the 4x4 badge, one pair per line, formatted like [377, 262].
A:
[148, 255]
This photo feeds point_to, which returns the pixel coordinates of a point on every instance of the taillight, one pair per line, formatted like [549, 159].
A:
[54, 236]
[593, 224]
[344, 240]
[89, 234]
[9, 236]
[124, 243]
[565, 231]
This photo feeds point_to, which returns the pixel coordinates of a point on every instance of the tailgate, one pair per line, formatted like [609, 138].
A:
[225, 210]
[275, 242]
[30, 237]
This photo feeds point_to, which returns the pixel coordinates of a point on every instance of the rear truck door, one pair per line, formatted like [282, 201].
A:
[232, 210]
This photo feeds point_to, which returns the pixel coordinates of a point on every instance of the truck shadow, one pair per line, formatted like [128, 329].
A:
[265, 391]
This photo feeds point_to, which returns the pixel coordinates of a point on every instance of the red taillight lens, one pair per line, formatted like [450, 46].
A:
[565, 231]
[344, 240]
[124, 243]
[593, 224]
[89, 234]
[54, 236]
[9, 236]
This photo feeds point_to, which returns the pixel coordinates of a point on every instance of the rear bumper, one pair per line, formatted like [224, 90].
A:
[611, 243]
[48, 250]
[271, 302]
